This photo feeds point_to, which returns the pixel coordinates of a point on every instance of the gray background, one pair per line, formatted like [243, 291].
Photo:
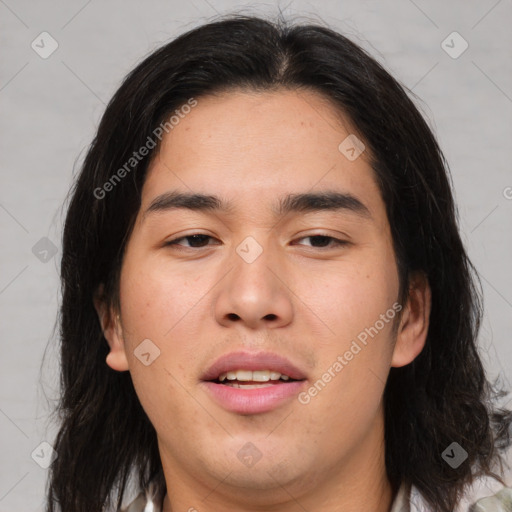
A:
[50, 109]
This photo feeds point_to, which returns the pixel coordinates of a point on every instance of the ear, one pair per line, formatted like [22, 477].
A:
[413, 328]
[111, 326]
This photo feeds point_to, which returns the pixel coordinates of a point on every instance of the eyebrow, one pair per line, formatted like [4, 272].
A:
[298, 203]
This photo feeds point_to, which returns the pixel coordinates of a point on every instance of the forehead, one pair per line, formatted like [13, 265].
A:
[260, 145]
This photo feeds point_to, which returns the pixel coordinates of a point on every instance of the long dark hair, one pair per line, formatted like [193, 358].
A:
[443, 396]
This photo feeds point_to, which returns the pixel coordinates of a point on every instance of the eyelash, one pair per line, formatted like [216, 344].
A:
[337, 242]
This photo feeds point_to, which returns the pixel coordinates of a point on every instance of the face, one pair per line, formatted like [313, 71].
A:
[314, 283]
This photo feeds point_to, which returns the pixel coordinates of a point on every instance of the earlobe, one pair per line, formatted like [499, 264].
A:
[112, 330]
[116, 359]
[413, 328]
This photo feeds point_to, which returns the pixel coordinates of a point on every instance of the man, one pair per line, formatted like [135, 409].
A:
[262, 247]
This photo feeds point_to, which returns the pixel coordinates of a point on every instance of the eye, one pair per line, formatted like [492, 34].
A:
[197, 241]
[323, 241]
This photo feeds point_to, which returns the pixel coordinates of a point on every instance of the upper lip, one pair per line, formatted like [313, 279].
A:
[252, 361]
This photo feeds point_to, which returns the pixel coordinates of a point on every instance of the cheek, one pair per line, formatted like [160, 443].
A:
[358, 304]
[157, 305]
[155, 297]
[353, 296]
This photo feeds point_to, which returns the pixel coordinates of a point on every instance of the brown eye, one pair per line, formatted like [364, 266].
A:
[196, 241]
[324, 241]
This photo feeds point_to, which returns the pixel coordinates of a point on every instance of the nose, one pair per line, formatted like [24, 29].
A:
[254, 292]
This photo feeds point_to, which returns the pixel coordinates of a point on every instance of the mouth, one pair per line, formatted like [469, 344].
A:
[246, 383]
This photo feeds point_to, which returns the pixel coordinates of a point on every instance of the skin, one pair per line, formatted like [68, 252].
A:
[297, 299]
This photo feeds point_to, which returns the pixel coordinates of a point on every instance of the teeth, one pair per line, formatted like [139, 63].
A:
[247, 386]
[260, 375]
[243, 375]
[256, 376]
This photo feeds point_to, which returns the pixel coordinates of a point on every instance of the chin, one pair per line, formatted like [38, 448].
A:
[249, 469]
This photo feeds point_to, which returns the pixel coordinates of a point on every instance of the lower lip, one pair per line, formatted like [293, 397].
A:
[255, 400]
